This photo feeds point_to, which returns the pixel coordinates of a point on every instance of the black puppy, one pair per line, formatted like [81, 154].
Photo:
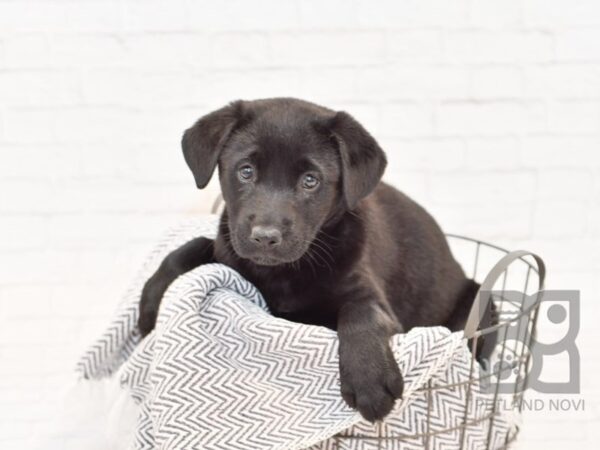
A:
[308, 221]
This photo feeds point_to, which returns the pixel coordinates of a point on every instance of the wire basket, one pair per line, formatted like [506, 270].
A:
[499, 271]
[512, 334]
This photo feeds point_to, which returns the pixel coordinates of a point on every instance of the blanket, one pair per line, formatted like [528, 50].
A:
[219, 372]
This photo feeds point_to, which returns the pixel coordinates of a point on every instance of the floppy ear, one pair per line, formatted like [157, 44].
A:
[363, 161]
[203, 142]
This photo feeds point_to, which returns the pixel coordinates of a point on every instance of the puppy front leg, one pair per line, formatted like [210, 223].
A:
[187, 257]
[369, 376]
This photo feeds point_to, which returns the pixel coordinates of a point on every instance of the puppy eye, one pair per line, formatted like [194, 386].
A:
[246, 173]
[310, 181]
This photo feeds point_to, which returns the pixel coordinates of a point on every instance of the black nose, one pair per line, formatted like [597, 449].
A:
[266, 236]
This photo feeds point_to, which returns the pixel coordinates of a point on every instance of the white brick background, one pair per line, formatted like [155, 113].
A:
[489, 112]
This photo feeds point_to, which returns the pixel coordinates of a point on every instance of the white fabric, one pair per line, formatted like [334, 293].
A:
[219, 372]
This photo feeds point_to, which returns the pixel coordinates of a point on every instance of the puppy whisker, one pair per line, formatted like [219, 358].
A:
[329, 236]
[323, 247]
[313, 253]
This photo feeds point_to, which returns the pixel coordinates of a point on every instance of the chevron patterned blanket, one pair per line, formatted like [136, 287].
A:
[219, 372]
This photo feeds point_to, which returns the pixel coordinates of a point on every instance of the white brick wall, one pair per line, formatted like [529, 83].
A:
[489, 111]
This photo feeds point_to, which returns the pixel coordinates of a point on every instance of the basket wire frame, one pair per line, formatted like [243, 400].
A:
[522, 315]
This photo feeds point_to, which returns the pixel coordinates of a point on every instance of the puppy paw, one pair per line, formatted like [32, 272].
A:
[371, 389]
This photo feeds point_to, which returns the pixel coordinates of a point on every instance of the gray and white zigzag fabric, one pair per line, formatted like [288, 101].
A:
[219, 372]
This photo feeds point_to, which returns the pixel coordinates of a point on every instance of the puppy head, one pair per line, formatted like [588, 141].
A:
[286, 167]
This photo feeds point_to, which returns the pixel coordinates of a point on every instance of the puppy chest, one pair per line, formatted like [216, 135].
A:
[301, 305]
[284, 298]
